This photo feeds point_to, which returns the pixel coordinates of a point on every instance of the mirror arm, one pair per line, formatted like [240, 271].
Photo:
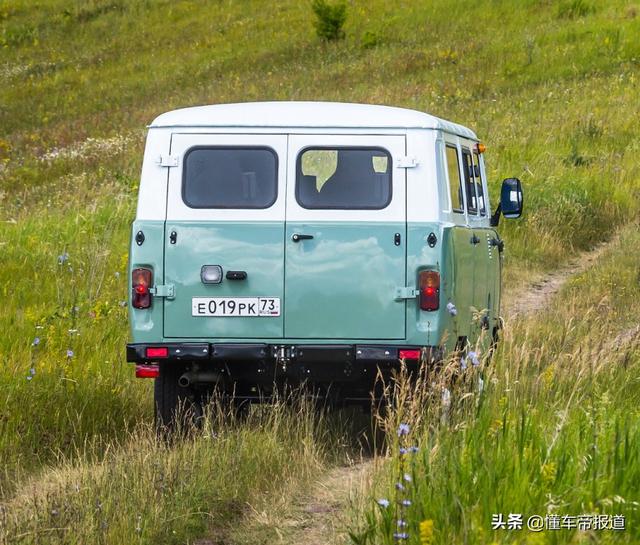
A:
[495, 219]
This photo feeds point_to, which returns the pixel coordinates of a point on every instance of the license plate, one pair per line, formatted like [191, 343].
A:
[235, 306]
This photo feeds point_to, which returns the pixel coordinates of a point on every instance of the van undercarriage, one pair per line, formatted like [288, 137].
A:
[256, 371]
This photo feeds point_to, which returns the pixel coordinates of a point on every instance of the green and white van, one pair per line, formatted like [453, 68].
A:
[285, 242]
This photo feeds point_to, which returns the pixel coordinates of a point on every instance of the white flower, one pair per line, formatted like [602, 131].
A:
[452, 309]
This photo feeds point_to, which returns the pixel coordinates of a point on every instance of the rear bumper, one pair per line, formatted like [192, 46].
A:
[260, 363]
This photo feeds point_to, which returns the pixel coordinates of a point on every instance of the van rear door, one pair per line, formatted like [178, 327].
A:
[345, 237]
[224, 234]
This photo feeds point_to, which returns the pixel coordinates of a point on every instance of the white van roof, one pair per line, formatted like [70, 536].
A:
[306, 115]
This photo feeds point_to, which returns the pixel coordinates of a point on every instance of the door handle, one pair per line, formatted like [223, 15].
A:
[236, 275]
[296, 237]
[498, 242]
[475, 240]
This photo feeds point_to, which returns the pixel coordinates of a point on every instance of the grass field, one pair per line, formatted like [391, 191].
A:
[551, 87]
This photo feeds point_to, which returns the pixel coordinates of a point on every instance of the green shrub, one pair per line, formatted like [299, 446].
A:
[369, 40]
[574, 9]
[330, 19]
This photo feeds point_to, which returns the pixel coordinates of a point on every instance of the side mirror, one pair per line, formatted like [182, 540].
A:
[511, 199]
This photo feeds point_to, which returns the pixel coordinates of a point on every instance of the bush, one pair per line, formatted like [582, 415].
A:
[329, 19]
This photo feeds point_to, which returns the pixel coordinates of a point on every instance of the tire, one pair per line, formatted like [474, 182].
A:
[176, 408]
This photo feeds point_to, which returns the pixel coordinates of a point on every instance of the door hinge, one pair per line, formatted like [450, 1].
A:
[167, 161]
[167, 290]
[406, 162]
[406, 293]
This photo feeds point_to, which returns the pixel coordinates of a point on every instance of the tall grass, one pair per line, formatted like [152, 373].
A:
[142, 490]
[551, 426]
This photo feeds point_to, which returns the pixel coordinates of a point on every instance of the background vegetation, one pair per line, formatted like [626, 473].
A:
[551, 87]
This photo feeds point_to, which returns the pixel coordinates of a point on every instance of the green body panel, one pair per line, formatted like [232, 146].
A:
[463, 290]
[423, 327]
[254, 247]
[146, 324]
[341, 284]
[487, 280]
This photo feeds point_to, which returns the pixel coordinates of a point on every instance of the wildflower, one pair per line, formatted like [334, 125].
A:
[29, 377]
[451, 308]
[63, 258]
[402, 523]
[36, 341]
[403, 429]
[475, 360]
[72, 331]
[403, 450]
[407, 477]
[399, 486]
[32, 371]
[69, 353]
[383, 502]
[413, 450]
[463, 363]
[401, 535]
[405, 503]
[426, 532]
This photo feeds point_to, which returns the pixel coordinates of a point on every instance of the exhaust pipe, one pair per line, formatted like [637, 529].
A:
[191, 378]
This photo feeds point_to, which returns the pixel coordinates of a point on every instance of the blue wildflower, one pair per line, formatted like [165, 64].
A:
[63, 258]
[475, 360]
[463, 363]
[401, 535]
[451, 308]
[383, 502]
[407, 477]
[403, 429]
[414, 449]
[399, 486]
[402, 523]
[403, 450]
[36, 341]
[32, 371]
[405, 503]
[69, 353]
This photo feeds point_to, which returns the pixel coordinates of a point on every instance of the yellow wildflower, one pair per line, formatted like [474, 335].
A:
[426, 532]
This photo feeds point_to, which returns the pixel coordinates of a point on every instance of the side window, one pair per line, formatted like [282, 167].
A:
[343, 178]
[455, 183]
[479, 188]
[225, 177]
[472, 204]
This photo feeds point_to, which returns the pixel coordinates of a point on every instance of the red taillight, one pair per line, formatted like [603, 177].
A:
[147, 371]
[429, 290]
[157, 352]
[141, 282]
[410, 354]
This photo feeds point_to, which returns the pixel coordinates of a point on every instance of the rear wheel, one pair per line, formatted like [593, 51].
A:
[176, 408]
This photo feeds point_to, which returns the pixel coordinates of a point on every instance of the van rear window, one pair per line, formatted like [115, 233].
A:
[230, 177]
[344, 178]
